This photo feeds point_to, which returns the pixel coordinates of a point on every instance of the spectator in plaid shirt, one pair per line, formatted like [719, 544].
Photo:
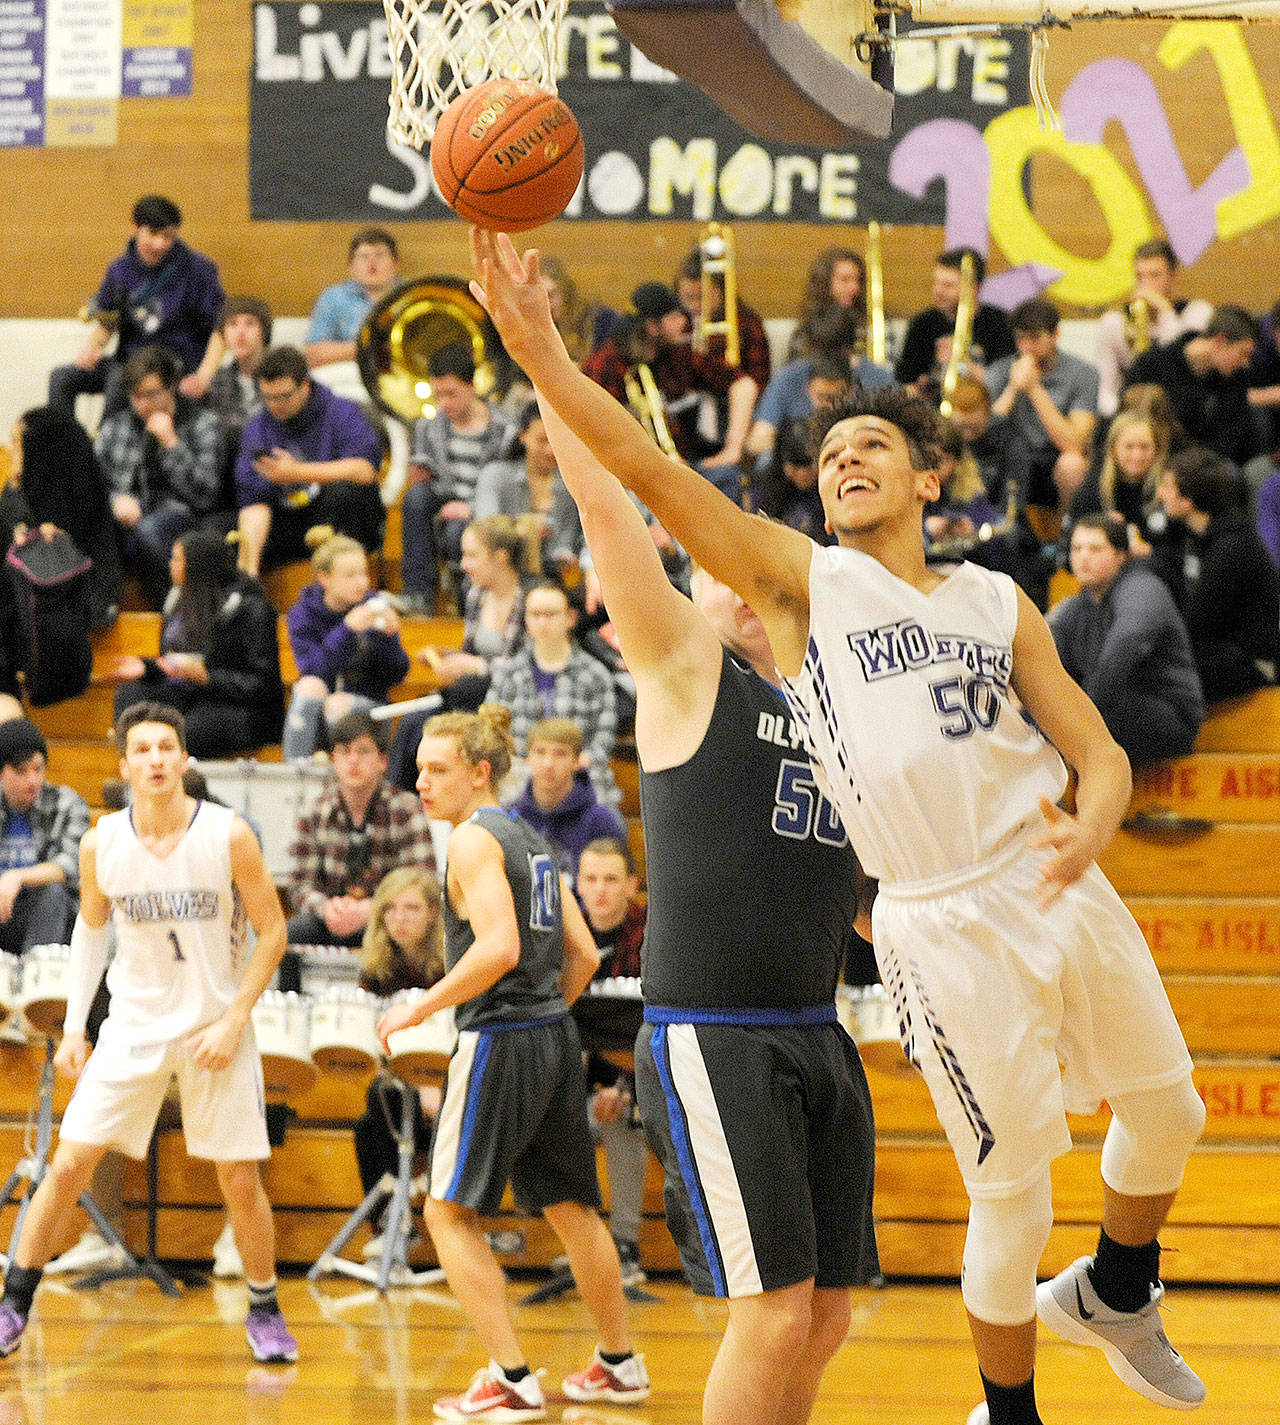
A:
[551, 676]
[40, 830]
[162, 459]
[356, 831]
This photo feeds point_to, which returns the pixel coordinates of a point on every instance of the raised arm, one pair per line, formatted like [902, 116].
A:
[767, 564]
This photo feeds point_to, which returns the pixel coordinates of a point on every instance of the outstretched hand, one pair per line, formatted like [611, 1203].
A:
[510, 289]
[1072, 850]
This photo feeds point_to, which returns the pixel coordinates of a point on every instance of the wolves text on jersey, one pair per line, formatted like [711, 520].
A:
[907, 645]
[190, 903]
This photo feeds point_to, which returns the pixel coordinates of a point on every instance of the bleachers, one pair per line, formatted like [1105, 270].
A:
[1198, 869]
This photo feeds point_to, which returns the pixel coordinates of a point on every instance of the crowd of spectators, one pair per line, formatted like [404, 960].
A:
[209, 430]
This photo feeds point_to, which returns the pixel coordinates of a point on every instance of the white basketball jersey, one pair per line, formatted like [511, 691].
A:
[180, 927]
[905, 702]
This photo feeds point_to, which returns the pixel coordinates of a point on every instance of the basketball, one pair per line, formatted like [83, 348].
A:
[507, 155]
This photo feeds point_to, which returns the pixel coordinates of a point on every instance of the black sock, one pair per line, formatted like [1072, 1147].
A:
[516, 1374]
[610, 1359]
[263, 1298]
[1123, 1276]
[1012, 1404]
[20, 1287]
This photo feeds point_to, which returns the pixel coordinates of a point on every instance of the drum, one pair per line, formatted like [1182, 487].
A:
[324, 966]
[10, 984]
[867, 1012]
[420, 1054]
[282, 1027]
[46, 978]
[344, 1031]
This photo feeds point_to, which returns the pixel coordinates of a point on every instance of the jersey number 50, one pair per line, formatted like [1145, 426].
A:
[965, 704]
[799, 808]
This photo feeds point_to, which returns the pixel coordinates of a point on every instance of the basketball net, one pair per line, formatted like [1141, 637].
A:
[441, 47]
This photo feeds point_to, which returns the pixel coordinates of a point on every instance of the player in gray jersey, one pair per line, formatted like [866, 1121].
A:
[991, 908]
[518, 953]
[182, 880]
[753, 1097]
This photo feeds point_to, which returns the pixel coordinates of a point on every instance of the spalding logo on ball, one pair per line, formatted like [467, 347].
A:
[507, 155]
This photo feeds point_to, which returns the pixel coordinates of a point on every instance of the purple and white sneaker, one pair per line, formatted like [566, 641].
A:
[12, 1324]
[270, 1339]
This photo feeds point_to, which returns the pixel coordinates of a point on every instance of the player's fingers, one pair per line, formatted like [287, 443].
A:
[532, 264]
[1050, 811]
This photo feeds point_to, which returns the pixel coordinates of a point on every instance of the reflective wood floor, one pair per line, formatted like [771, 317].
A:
[126, 1355]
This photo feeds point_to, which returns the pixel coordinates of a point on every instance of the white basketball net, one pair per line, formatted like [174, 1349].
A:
[441, 47]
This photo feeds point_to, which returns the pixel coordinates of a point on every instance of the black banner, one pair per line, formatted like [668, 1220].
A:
[656, 146]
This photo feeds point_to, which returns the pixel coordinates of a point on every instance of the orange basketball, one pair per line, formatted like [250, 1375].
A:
[507, 155]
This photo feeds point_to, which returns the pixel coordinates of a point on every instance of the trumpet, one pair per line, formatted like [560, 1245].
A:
[875, 294]
[1137, 325]
[965, 544]
[718, 258]
[963, 333]
[648, 407]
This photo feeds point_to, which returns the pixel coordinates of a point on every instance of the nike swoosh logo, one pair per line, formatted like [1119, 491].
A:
[1087, 1315]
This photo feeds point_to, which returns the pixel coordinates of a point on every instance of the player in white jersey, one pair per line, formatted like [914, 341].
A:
[1004, 946]
[182, 880]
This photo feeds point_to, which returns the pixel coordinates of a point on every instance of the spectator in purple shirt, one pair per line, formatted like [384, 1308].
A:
[308, 458]
[158, 292]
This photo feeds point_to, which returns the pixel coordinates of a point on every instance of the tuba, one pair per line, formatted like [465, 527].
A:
[407, 327]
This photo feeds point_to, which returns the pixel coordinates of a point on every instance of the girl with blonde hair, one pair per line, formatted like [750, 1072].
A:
[403, 949]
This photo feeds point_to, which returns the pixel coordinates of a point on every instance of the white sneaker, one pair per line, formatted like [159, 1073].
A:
[490, 1396]
[89, 1254]
[226, 1255]
[1133, 1342]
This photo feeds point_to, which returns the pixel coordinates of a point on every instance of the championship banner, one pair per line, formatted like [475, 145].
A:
[657, 148]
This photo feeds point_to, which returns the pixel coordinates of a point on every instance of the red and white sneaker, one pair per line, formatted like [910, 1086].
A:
[491, 1396]
[627, 1383]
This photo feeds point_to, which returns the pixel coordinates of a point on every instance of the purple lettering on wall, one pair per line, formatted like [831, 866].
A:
[956, 153]
[1121, 90]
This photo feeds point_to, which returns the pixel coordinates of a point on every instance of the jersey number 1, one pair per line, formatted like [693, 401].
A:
[177, 948]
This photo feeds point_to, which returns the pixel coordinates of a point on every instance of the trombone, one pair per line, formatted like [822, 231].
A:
[1137, 325]
[963, 334]
[718, 258]
[647, 406]
[875, 294]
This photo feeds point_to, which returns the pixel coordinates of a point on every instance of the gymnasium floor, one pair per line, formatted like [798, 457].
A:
[125, 1355]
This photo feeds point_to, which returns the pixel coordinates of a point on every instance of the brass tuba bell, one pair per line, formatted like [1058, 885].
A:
[407, 327]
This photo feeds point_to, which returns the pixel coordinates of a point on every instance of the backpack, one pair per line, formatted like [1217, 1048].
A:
[50, 578]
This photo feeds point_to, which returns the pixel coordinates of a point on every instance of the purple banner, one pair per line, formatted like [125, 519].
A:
[156, 73]
[21, 73]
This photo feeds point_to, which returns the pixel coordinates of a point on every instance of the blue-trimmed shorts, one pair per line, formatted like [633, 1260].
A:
[766, 1134]
[515, 1110]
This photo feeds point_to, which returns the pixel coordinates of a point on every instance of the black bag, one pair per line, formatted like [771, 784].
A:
[50, 578]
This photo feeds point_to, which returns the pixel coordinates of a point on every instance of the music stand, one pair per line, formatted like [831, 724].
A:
[393, 1268]
[33, 1167]
[149, 1268]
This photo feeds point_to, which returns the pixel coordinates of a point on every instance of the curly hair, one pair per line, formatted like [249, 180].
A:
[915, 417]
[377, 947]
[483, 736]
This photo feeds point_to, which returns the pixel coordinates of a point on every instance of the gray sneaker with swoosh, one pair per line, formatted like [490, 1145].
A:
[1133, 1342]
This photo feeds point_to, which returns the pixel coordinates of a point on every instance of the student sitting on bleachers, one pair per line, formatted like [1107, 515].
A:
[450, 449]
[527, 483]
[233, 394]
[219, 662]
[308, 458]
[552, 676]
[1221, 576]
[345, 641]
[495, 561]
[1122, 639]
[162, 459]
[402, 949]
